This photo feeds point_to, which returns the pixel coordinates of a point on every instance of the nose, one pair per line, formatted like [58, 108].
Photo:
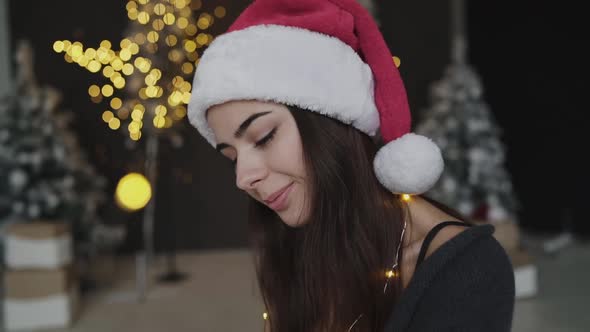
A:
[249, 172]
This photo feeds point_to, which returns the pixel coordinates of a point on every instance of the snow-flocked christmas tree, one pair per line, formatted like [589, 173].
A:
[44, 174]
[474, 181]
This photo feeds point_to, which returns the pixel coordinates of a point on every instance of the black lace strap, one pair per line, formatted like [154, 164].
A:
[433, 233]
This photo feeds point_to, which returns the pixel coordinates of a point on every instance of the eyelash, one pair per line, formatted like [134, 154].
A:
[262, 143]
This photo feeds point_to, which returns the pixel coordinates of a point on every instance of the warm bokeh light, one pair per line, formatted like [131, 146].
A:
[169, 19]
[133, 192]
[107, 116]
[168, 122]
[127, 69]
[142, 93]
[220, 12]
[118, 63]
[140, 38]
[116, 103]
[96, 100]
[158, 24]
[107, 90]
[114, 123]
[153, 37]
[186, 97]
[139, 60]
[182, 22]
[175, 55]
[390, 274]
[75, 51]
[133, 48]
[90, 53]
[94, 66]
[203, 22]
[94, 90]
[187, 68]
[179, 4]
[196, 4]
[137, 115]
[125, 54]
[190, 46]
[132, 14]
[123, 114]
[160, 9]
[130, 5]
[105, 44]
[135, 136]
[202, 39]
[180, 112]
[159, 122]
[133, 127]
[58, 46]
[108, 71]
[191, 30]
[171, 40]
[119, 83]
[143, 17]
[161, 110]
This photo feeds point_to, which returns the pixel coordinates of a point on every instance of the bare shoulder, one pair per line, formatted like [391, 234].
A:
[443, 236]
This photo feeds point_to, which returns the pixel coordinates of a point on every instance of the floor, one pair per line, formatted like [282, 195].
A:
[564, 291]
[220, 295]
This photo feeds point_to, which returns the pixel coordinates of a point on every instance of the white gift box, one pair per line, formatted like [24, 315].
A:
[38, 245]
[53, 311]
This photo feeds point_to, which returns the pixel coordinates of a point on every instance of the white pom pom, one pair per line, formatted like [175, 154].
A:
[410, 164]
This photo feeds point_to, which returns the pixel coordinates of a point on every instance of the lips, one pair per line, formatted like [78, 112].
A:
[274, 196]
[281, 200]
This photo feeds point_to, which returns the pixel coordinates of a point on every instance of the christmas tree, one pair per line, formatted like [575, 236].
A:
[474, 181]
[44, 174]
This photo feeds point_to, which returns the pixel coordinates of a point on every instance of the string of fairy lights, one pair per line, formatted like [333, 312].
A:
[390, 273]
[138, 81]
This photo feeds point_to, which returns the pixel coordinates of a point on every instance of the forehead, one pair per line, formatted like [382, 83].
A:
[231, 114]
[232, 110]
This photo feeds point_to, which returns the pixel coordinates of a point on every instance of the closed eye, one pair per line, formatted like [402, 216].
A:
[261, 143]
[266, 139]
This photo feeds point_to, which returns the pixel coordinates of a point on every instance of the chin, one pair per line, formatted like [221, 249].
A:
[293, 221]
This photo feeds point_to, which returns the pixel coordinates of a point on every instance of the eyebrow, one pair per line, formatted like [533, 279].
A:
[242, 128]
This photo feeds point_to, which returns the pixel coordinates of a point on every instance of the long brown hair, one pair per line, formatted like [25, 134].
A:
[322, 276]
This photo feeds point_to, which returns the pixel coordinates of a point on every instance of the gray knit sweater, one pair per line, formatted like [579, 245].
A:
[465, 285]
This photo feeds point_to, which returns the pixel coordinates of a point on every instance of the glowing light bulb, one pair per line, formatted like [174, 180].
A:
[133, 192]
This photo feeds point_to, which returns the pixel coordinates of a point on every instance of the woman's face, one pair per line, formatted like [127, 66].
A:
[263, 141]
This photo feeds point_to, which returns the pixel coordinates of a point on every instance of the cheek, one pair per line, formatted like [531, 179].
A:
[287, 155]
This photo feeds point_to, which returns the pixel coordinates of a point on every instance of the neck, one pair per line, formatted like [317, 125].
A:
[422, 217]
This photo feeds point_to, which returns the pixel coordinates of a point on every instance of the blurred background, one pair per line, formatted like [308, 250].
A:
[115, 215]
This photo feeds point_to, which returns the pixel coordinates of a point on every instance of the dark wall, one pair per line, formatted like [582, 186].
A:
[417, 32]
[528, 54]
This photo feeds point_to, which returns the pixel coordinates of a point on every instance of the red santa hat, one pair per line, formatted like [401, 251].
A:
[325, 56]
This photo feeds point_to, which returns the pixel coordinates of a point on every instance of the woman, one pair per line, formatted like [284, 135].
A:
[303, 97]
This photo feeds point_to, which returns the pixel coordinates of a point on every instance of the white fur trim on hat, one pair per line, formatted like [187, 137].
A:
[410, 164]
[287, 65]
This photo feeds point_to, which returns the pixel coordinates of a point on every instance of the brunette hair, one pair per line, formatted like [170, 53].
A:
[323, 275]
